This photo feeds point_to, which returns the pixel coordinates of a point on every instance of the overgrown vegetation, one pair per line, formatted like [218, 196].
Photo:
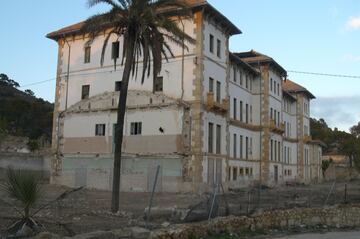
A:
[338, 142]
[21, 113]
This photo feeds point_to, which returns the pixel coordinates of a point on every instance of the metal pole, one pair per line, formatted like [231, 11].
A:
[152, 195]
[213, 201]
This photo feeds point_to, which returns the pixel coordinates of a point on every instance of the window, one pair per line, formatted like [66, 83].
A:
[218, 91]
[251, 111]
[135, 128]
[235, 74]
[211, 84]
[271, 84]
[241, 171]
[234, 173]
[247, 113]
[251, 146]
[271, 113]
[158, 84]
[235, 107]
[251, 84]
[271, 149]
[211, 43]
[115, 50]
[285, 158]
[117, 85]
[87, 54]
[241, 146]
[218, 139]
[247, 81]
[210, 138]
[100, 130]
[275, 151]
[275, 87]
[278, 121]
[246, 171]
[218, 50]
[279, 152]
[241, 111]
[85, 90]
[278, 89]
[241, 78]
[234, 146]
[247, 148]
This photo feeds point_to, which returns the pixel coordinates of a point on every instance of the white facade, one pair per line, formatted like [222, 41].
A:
[216, 119]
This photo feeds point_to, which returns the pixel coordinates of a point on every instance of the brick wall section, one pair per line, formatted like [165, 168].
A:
[195, 167]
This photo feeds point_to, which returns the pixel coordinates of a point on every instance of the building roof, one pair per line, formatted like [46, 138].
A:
[288, 95]
[195, 5]
[238, 60]
[292, 87]
[253, 57]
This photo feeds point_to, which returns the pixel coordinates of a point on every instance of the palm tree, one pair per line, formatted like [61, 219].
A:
[24, 187]
[147, 27]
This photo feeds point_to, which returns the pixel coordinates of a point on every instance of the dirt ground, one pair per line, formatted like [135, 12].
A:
[88, 210]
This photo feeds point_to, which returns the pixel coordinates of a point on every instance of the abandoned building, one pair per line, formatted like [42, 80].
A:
[210, 117]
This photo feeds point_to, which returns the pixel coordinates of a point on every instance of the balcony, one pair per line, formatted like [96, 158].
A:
[307, 138]
[279, 129]
[211, 104]
[245, 125]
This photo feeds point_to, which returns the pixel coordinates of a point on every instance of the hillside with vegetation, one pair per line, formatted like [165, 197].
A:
[337, 141]
[22, 114]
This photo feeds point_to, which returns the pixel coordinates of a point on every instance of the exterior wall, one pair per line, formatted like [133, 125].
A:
[175, 122]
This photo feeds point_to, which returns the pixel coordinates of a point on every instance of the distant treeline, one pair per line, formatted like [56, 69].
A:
[22, 113]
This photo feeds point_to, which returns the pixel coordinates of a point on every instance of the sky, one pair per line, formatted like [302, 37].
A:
[321, 36]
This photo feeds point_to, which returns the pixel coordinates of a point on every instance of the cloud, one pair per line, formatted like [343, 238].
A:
[351, 57]
[353, 23]
[340, 112]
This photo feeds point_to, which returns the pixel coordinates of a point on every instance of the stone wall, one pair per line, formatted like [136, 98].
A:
[340, 216]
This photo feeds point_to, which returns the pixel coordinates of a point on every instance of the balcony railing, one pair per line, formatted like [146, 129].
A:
[222, 106]
[277, 128]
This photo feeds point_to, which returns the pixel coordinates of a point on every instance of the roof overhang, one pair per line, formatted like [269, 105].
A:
[237, 60]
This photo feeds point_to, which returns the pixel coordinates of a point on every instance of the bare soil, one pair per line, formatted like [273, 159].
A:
[89, 210]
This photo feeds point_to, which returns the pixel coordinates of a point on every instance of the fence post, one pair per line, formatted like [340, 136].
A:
[152, 195]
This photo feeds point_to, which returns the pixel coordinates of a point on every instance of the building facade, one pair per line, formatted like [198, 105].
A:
[210, 117]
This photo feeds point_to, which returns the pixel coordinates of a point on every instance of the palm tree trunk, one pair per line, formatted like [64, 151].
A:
[119, 129]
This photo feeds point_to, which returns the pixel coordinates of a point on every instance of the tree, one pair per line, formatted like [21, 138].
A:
[5, 80]
[146, 26]
[355, 130]
[29, 92]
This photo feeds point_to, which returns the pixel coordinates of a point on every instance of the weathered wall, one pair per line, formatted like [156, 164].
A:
[339, 216]
[36, 163]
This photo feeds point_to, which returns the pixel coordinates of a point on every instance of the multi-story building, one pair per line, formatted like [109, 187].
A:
[211, 116]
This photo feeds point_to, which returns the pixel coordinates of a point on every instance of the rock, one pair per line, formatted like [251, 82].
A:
[46, 235]
[139, 233]
[25, 231]
[96, 235]
[165, 224]
[122, 233]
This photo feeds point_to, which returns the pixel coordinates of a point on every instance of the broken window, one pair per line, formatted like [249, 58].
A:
[158, 84]
[85, 90]
[241, 171]
[211, 43]
[135, 128]
[118, 86]
[115, 50]
[87, 54]
[210, 138]
[100, 130]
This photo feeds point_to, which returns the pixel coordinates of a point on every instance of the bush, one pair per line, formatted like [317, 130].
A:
[33, 145]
